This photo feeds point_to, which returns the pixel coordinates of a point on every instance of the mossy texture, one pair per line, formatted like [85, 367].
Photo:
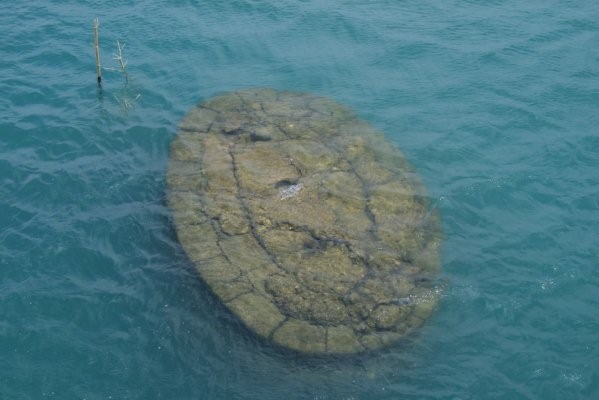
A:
[306, 223]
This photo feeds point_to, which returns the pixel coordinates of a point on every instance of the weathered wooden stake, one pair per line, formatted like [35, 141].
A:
[98, 67]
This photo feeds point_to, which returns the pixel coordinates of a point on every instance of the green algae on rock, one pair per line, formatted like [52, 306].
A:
[304, 221]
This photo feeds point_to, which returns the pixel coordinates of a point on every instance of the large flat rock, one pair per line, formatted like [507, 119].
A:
[308, 225]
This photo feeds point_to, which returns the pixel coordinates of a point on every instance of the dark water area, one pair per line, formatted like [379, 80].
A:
[496, 104]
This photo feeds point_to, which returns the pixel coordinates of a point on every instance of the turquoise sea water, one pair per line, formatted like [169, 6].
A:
[496, 103]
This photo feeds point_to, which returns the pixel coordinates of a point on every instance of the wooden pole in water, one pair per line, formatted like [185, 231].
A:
[98, 67]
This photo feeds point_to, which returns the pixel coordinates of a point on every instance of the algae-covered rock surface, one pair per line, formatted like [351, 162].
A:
[307, 224]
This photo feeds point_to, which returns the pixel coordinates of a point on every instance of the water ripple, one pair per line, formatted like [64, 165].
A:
[494, 103]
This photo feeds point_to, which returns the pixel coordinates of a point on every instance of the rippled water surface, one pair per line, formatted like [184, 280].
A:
[495, 103]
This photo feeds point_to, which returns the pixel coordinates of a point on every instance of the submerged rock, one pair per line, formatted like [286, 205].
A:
[304, 221]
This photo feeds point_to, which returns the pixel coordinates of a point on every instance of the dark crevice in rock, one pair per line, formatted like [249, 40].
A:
[218, 231]
[209, 127]
[402, 301]
[285, 183]
[298, 167]
[255, 137]
[248, 216]
[322, 242]
[238, 295]
[279, 325]
[205, 107]
[233, 132]
[190, 130]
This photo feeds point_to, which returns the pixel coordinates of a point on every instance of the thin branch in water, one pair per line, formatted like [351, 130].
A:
[119, 58]
[126, 102]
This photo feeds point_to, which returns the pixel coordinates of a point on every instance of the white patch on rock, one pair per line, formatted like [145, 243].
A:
[290, 191]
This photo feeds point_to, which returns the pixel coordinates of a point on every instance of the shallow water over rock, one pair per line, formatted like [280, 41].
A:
[304, 221]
